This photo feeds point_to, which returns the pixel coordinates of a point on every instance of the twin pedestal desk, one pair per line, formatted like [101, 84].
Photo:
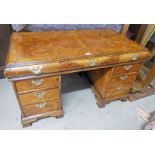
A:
[37, 60]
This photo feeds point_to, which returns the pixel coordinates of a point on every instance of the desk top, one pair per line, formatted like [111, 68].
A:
[37, 47]
[57, 52]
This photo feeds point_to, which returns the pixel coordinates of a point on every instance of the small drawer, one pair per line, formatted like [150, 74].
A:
[117, 90]
[37, 83]
[123, 79]
[126, 69]
[40, 108]
[85, 63]
[133, 57]
[39, 96]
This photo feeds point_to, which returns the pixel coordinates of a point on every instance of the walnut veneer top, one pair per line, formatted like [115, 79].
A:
[34, 47]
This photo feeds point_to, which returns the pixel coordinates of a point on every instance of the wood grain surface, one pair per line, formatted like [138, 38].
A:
[28, 47]
[36, 61]
[126, 69]
[31, 84]
[33, 109]
[59, 51]
[32, 98]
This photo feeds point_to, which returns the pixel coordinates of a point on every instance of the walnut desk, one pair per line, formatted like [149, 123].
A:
[36, 61]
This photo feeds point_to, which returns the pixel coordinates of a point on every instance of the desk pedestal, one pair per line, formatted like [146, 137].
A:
[38, 98]
[112, 83]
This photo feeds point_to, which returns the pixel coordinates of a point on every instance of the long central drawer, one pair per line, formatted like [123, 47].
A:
[85, 63]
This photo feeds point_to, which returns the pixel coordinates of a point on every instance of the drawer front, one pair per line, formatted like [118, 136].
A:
[32, 70]
[117, 90]
[123, 79]
[85, 63]
[133, 57]
[39, 96]
[37, 83]
[40, 108]
[126, 69]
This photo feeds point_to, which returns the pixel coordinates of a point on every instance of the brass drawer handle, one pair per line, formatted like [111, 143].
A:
[40, 94]
[128, 67]
[134, 57]
[92, 63]
[41, 105]
[123, 77]
[37, 82]
[36, 70]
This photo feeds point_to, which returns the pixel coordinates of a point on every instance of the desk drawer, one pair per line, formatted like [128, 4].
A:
[85, 63]
[117, 90]
[40, 108]
[133, 56]
[123, 79]
[39, 96]
[32, 70]
[37, 83]
[126, 69]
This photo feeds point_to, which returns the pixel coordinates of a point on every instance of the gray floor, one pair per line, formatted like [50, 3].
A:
[81, 111]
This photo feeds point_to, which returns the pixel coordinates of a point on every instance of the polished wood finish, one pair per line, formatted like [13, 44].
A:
[28, 70]
[34, 107]
[126, 69]
[133, 57]
[37, 83]
[87, 63]
[100, 80]
[117, 90]
[111, 84]
[122, 79]
[40, 108]
[104, 54]
[49, 46]
[28, 120]
[39, 96]
[50, 49]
